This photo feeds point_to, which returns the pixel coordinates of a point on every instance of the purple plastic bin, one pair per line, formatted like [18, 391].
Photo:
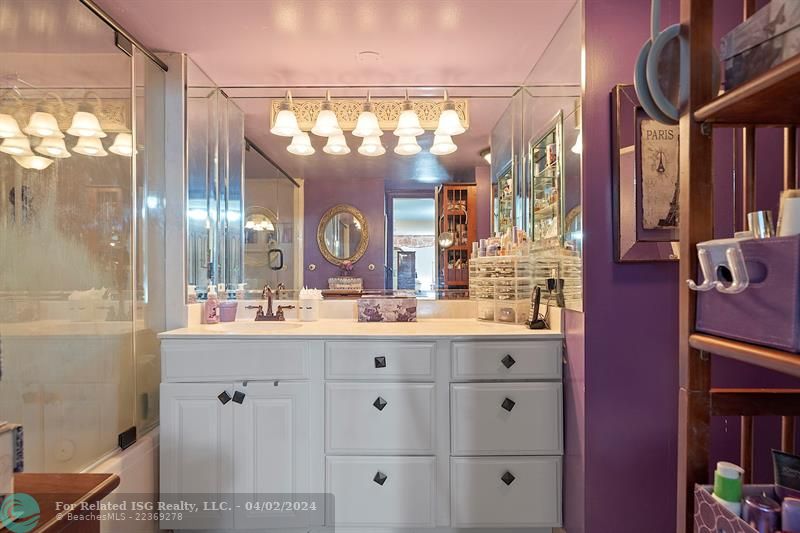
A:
[227, 311]
[767, 311]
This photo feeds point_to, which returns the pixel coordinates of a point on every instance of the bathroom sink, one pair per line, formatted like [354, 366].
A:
[254, 327]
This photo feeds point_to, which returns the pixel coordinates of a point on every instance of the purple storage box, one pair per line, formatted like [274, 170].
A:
[711, 517]
[768, 311]
[227, 311]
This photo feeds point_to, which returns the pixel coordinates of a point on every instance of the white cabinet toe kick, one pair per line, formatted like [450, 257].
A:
[431, 435]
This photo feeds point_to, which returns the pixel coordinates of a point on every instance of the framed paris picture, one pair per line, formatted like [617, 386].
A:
[645, 162]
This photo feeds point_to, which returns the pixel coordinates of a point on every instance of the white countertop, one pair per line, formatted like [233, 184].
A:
[348, 328]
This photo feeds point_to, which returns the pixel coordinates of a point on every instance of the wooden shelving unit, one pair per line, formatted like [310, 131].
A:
[771, 99]
[456, 208]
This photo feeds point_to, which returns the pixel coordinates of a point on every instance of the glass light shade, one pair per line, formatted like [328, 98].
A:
[285, 123]
[9, 127]
[487, 155]
[16, 146]
[577, 148]
[336, 145]
[43, 124]
[407, 145]
[123, 145]
[301, 145]
[408, 123]
[90, 146]
[371, 146]
[327, 124]
[33, 162]
[449, 123]
[443, 145]
[85, 124]
[367, 123]
[53, 147]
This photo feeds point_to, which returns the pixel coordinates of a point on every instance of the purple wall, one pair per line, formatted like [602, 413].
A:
[366, 194]
[631, 310]
[483, 183]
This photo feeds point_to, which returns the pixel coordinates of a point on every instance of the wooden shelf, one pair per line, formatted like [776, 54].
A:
[771, 99]
[778, 360]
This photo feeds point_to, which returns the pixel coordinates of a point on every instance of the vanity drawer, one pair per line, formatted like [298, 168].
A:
[505, 492]
[506, 418]
[391, 418]
[512, 360]
[233, 360]
[406, 497]
[380, 360]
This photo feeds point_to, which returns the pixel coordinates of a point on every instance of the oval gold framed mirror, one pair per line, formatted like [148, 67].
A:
[343, 234]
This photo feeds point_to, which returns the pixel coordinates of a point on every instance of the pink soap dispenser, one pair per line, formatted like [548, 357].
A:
[211, 307]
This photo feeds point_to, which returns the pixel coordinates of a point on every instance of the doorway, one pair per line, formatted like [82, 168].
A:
[412, 253]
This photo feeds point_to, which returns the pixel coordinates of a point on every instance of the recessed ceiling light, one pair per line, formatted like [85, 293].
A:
[368, 56]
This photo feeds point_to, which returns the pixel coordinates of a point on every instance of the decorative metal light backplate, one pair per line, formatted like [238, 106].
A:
[387, 111]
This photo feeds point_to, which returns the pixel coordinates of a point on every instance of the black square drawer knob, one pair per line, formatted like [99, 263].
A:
[508, 404]
[224, 397]
[238, 397]
[380, 478]
[508, 361]
[380, 362]
[379, 403]
[508, 478]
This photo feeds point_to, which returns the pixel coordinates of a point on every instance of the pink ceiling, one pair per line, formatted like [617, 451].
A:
[315, 42]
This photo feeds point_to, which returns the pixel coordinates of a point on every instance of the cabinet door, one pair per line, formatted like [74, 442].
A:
[197, 450]
[271, 434]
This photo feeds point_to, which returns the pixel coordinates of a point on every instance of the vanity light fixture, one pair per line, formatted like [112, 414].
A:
[408, 123]
[336, 145]
[407, 145]
[9, 127]
[371, 146]
[327, 124]
[43, 124]
[449, 123]
[286, 120]
[53, 147]
[443, 145]
[367, 123]
[91, 146]
[85, 125]
[486, 154]
[301, 145]
[577, 148]
[123, 145]
[33, 162]
[19, 146]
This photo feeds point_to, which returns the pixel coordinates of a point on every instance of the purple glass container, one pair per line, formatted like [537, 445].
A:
[761, 513]
[790, 515]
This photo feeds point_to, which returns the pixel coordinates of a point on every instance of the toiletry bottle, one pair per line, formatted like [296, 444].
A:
[240, 291]
[211, 307]
[222, 294]
[728, 486]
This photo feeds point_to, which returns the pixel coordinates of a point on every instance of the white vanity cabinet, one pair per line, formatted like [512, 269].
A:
[408, 433]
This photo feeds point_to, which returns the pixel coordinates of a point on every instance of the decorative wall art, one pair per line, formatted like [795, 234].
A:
[645, 163]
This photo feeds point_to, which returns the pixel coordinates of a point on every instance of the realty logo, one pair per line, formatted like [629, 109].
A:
[19, 513]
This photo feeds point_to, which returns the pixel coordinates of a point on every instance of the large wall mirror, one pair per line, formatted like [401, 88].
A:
[343, 234]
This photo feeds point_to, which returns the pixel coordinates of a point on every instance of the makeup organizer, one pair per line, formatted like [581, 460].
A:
[502, 287]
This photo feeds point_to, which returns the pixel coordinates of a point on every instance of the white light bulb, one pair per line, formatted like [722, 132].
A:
[285, 123]
[123, 145]
[371, 146]
[90, 146]
[443, 145]
[33, 162]
[53, 147]
[85, 124]
[449, 123]
[336, 145]
[367, 123]
[20, 146]
[9, 127]
[408, 124]
[43, 124]
[301, 145]
[407, 145]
